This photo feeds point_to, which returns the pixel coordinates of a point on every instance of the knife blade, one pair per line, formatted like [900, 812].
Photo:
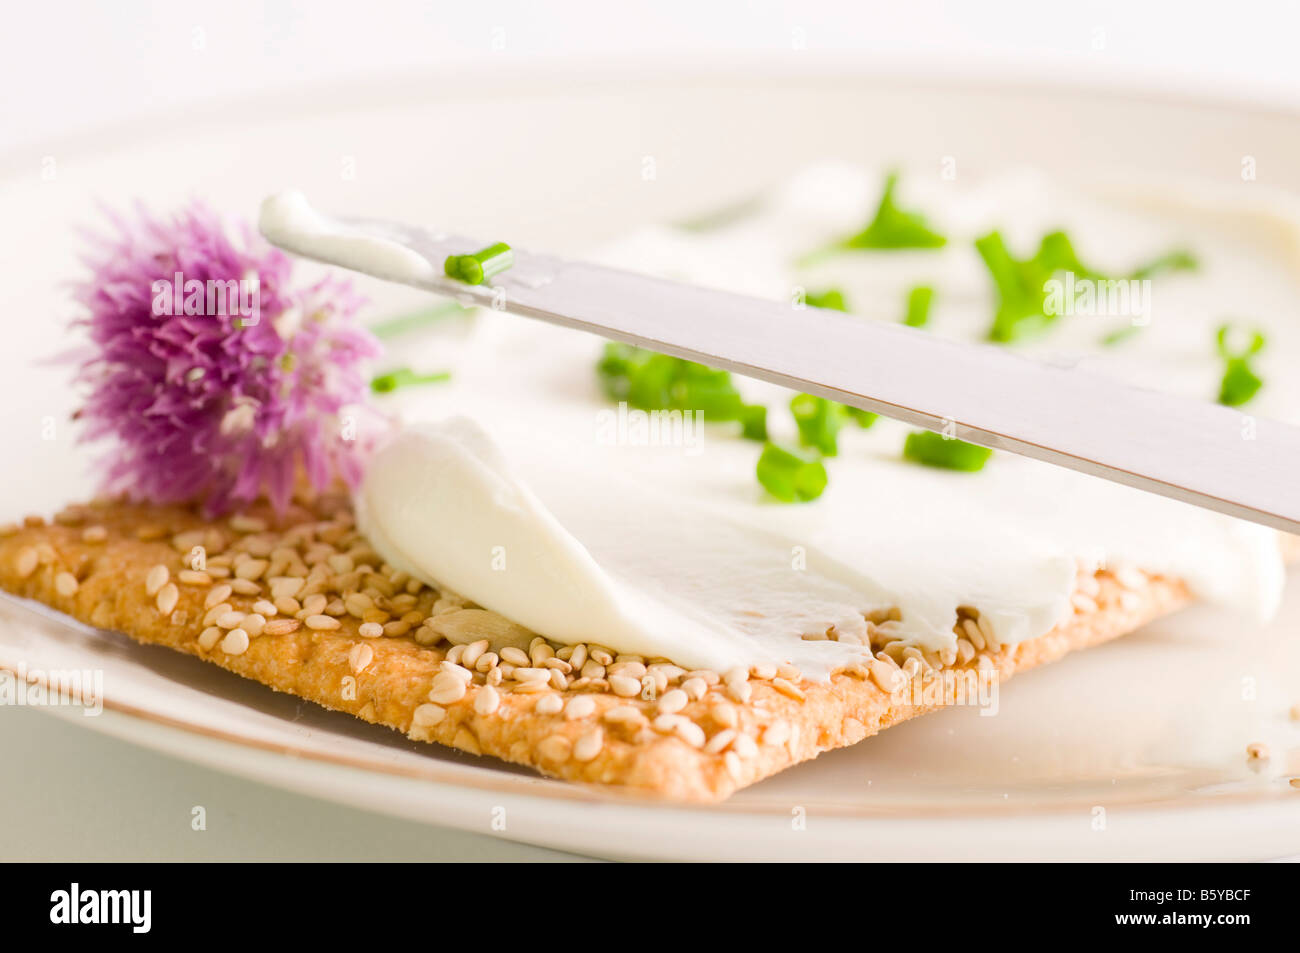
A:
[1195, 451]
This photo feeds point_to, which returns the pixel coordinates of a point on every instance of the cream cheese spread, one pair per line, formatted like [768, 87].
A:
[586, 522]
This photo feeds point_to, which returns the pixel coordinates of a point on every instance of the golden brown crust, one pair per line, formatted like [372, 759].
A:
[708, 749]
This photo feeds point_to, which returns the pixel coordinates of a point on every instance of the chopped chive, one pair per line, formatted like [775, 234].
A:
[417, 319]
[753, 422]
[1240, 382]
[790, 474]
[863, 418]
[1180, 259]
[819, 421]
[1022, 290]
[478, 267]
[918, 306]
[936, 450]
[1120, 335]
[832, 299]
[648, 380]
[405, 377]
[890, 228]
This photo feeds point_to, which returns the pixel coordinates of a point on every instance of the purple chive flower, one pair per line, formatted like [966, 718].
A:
[257, 390]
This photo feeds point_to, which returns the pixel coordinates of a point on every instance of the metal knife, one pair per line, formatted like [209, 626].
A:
[1195, 451]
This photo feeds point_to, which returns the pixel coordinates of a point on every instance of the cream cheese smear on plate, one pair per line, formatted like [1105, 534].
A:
[519, 487]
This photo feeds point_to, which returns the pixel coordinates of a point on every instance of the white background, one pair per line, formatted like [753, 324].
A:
[68, 68]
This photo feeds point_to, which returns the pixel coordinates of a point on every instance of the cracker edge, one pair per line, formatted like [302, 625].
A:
[314, 665]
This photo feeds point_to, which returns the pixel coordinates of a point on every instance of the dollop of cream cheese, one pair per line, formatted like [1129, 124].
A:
[288, 219]
[440, 502]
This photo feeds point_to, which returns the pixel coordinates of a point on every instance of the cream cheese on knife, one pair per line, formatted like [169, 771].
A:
[547, 510]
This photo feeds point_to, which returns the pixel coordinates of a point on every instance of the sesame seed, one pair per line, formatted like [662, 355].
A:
[487, 700]
[65, 584]
[691, 733]
[549, 705]
[447, 688]
[673, 701]
[623, 686]
[216, 612]
[281, 627]
[531, 674]
[721, 741]
[630, 669]
[247, 524]
[426, 716]
[156, 579]
[264, 608]
[581, 706]
[359, 657]
[734, 768]
[724, 715]
[235, 642]
[167, 598]
[515, 656]
[321, 623]
[788, 689]
[245, 587]
[472, 652]
[210, 637]
[740, 691]
[94, 534]
[532, 686]
[667, 724]
[589, 745]
[744, 746]
[777, 733]
[885, 675]
[230, 620]
[695, 688]
[555, 749]
[217, 595]
[460, 671]
[254, 624]
[192, 577]
[370, 630]
[624, 715]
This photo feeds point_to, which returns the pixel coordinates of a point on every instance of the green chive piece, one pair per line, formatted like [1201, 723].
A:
[890, 228]
[936, 450]
[1120, 335]
[1240, 382]
[819, 421]
[1019, 287]
[753, 422]
[648, 380]
[478, 267]
[832, 298]
[1022, 296]
[1180, 259]
[416, 320]
[405, 377]
[863, 418]
[918, 306]
[790, 474]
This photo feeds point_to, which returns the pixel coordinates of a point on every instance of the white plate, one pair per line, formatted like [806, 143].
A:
[1132, 750]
